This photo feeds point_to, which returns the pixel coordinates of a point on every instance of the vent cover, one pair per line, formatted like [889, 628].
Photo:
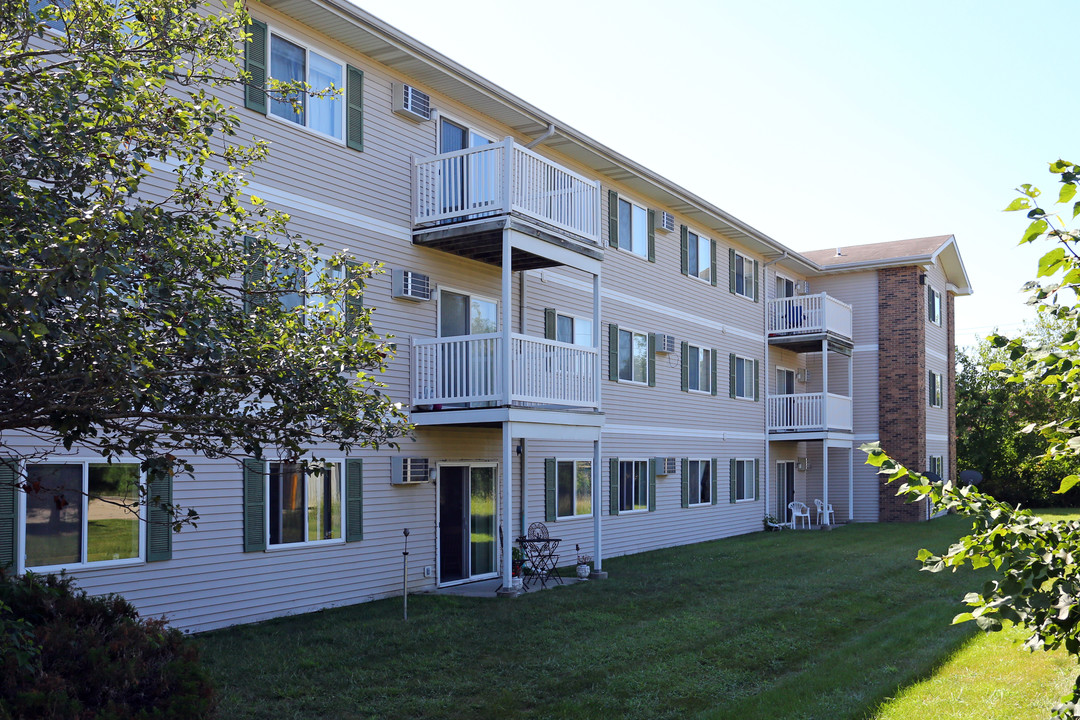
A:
[411, 103]
[665, 343]
[667, 221]
[409, 471]
[409, 285]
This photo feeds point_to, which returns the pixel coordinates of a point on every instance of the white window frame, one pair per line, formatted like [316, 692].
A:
[632, 380]
[640, 464]
[274, 547]
[780, 277]
[577, 462]
[574, 319]
[748, 372]
[339, 95]
[644, 254]
[934, 306]
[704, 257]
[936, 391]
[706, 487]
[84, 499]
[437, 294]
[936, 464]
[776, 380]
[469, 127]
[746, 474]
[704, 360]
[746, 265]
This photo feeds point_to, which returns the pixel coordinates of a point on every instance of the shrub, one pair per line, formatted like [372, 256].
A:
[67, 656]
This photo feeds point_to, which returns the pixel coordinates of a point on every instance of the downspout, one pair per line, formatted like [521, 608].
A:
[542, 139]
[765, 334]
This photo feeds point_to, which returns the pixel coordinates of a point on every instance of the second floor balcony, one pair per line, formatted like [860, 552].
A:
[808, 412]
[793, 320]
[468, 370]
[505, 179]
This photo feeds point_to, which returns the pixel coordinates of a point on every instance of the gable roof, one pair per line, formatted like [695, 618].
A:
[938, 250]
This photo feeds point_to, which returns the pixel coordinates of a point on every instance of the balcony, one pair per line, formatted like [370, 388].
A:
[459, 196]
[466, 370]
[798, 321]
[808, 412]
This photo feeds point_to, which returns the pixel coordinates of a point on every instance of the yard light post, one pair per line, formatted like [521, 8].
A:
[405, 572]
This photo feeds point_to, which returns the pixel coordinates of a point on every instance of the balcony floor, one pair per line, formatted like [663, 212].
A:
[809, 342]
[533, 422]
[482, 240]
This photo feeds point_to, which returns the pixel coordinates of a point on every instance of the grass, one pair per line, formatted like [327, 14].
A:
[792, 624]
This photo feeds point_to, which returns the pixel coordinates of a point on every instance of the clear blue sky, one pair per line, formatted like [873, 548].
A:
[820, 123]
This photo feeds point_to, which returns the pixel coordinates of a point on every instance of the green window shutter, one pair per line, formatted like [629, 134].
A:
[354, 108]
[731, 377]
[757, 388]
[254, 271]
[159, 530]
[254, 505]
[652, 359]
[684, 250]
[712, 256]
[652, 484]
[354, 304]
[613, 486]
[685, 482]
[685, 366]
[731, 269]
[255, 65]
[652, 236]
[354, 499]
[613, 352]
[9, 527]
[757, 479]
[549, 489]
[712, 356]
[757, 289]
[613, 218]
[731, 480]
[715, 464]
[549, 323]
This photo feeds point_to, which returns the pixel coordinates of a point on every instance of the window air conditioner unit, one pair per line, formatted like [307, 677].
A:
[665, 343]
[802, 375]
[409, 471]
[409, 285]
[665, 465]
[411, 103]
[667, 221]
[802, 288]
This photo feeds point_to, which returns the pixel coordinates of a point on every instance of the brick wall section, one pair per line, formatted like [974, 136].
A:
[950, 387]
[902, 382]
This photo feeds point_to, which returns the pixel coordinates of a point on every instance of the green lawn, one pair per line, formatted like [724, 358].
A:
[792, 625]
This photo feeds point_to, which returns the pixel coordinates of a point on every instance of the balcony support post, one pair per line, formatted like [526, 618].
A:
[825, 422]
[507, 317]
[596, 337]
[851, 485]
[598, 552]
[508, 503]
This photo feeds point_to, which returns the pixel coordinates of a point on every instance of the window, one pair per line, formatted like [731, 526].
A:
[937, 465]
[785, 287]
[633, 228]
[307, 293]
[743, 378]
[933, 305]
[699, 257]
[304, 506]
[573, 488]
[936, 391]
[633, 356]
[290, 62]
[743, 480]
[77, 516]
[574, 330]
[785, 381]
[743, 275]
[699, 369]
[633, 485]
[699, 482]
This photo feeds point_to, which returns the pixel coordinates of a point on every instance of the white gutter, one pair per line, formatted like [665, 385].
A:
[543, 138]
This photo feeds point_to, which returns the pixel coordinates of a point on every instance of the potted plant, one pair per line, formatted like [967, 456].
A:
[774, 524]
[583, 563]
[517, 559]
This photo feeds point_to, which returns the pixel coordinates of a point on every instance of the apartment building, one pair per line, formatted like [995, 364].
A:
[580, 342]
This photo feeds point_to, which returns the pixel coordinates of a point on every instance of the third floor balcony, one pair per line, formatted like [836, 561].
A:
[800, 323]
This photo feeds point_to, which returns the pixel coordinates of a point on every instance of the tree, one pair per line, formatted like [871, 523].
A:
[996, 420]
[1039, 582]
[147, 306]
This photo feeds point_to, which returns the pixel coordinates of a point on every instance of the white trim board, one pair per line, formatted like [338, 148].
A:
[683, 432]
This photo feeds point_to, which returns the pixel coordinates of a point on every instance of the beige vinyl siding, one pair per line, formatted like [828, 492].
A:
[937, 419]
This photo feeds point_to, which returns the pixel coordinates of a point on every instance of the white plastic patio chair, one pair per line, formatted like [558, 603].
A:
[799, 510]
[827, 511]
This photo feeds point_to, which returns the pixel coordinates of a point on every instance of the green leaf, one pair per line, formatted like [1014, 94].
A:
[1067, 484]
[1034, 230]
[962, 618]
[1068, 191]
[1021, 203]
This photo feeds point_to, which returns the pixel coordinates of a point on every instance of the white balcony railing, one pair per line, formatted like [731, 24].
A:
[809, 314]
[468, 369]
[503, 178]
[809, 412]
